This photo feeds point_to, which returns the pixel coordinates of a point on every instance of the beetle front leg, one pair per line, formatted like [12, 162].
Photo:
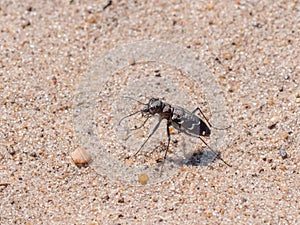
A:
[153, 131]
[166, 152]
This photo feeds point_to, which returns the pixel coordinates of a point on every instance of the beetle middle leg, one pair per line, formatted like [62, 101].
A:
[198, 108]
[169, 139]
[167, 149]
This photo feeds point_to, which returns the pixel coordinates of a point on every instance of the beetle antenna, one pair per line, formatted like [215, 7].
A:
[129, 116]
[135, 100]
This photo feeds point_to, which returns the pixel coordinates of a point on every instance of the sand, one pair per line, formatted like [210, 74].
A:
[64, 68]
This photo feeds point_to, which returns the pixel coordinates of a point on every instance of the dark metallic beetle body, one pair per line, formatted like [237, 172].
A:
[178, 117]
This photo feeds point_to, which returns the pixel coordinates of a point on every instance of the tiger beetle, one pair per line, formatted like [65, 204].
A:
[178, 117]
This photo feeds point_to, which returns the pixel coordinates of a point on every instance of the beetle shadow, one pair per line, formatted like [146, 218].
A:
[201, 158]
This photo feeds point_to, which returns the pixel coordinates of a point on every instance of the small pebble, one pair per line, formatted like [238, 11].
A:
[285, 136]
[131, 61]
[209, 6]
[143, 178]
[91, 19]
[273, 121]
[227, 56]
[81, 156]
[283, 154]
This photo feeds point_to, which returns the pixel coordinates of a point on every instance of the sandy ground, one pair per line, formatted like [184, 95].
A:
[251, 50]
